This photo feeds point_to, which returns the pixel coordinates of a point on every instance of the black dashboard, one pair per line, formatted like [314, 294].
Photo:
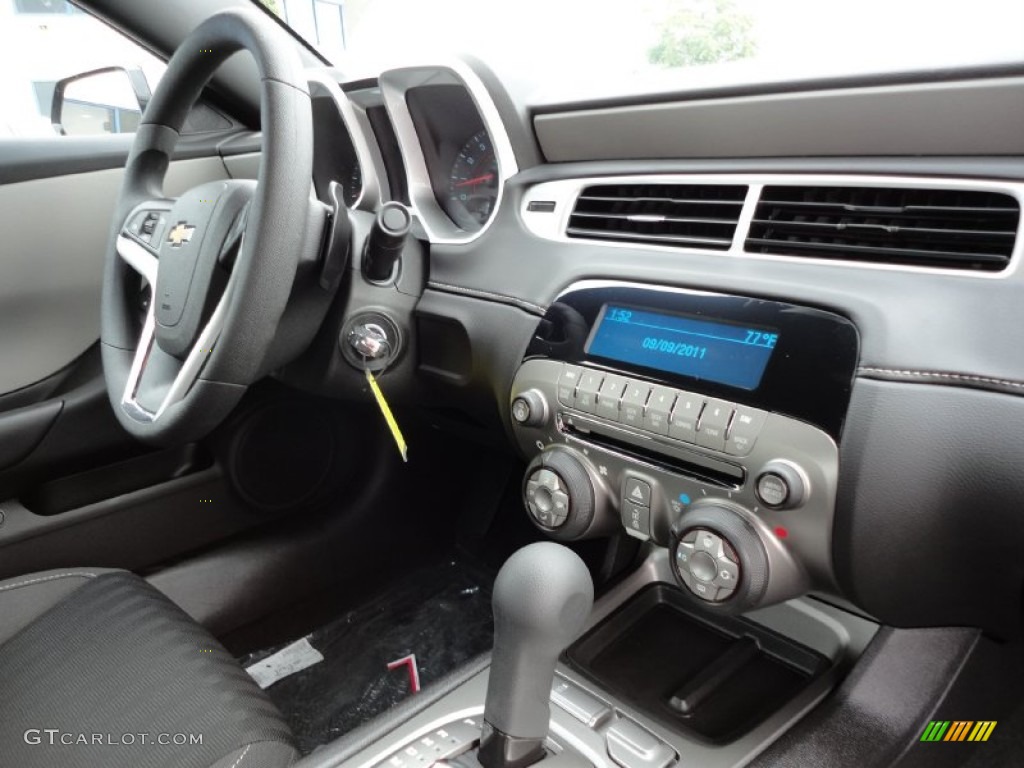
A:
[886, 282]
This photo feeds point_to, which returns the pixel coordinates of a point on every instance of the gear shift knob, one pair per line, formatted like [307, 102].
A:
[542, 598]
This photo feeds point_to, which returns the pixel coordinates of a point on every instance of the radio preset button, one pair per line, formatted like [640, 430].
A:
[567, 384]
[659, 408]
[683, 423]
[609, 395]
[746, 426]
[586, 393]
[631, 409]
[713, 423]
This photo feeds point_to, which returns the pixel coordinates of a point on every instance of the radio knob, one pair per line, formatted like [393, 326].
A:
[530, 409]
[781, 485]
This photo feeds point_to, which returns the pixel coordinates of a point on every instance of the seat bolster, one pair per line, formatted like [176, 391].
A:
[25, 598]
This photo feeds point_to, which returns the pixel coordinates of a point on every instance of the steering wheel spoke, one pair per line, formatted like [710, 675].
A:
[147, 395]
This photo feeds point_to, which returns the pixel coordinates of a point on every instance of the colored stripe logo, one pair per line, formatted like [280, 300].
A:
[958, 730]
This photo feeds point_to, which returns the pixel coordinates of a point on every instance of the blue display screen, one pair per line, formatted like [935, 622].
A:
[734, 355]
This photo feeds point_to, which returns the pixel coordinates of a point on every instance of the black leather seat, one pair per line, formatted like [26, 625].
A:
[99, 670]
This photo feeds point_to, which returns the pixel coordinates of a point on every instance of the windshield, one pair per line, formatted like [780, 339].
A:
[722, 41]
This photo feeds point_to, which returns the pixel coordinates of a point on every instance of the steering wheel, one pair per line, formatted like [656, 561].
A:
[221, 260]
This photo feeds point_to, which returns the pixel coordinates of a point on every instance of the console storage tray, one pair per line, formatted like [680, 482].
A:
[713, 677]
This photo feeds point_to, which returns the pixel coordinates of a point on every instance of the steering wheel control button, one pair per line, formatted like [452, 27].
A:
[630, 746]
[714, 421]
[703, 567]
[743, 431]
[567, 384]
[637, 492]
[530, 409]
[772, 490]
[631, 409]
[586, 395]
[637, 520]
[683, 422]
[659, 408]
[609, 395]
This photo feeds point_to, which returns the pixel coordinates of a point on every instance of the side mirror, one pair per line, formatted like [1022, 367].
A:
[108, 100]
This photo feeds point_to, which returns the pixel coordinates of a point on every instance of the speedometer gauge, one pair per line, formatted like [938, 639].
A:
[473, 183]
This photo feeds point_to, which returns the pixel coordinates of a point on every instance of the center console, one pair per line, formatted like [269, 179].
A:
[703, 423]
[706, 427]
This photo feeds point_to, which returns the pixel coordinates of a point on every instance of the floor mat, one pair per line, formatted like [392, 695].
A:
[441, 613]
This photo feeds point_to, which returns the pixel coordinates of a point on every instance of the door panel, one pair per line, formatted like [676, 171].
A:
[51, 264]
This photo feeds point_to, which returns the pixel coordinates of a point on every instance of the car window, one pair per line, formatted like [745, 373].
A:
[677, 42]
[45, 41]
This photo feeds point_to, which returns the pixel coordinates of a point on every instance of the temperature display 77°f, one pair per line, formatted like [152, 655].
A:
[734, 355]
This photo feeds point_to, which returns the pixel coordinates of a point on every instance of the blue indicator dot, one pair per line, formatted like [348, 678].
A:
[684, 498]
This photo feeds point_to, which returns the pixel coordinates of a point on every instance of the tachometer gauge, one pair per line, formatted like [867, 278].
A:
[473, 183]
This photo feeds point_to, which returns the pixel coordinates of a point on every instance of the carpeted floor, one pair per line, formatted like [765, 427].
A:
[440, 612]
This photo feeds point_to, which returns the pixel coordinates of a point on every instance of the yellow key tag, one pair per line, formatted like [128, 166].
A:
[389, 417]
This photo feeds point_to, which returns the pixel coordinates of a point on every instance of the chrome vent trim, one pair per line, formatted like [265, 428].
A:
[949, 228]
[546, 209]
[700, 215]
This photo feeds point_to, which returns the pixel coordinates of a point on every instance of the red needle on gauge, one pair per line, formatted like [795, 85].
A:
[475, 181]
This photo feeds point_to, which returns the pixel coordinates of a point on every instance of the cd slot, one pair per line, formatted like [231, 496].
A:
[673, 458]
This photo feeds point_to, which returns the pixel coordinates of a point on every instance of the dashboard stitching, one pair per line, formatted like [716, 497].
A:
[942, 375]
[505, 299]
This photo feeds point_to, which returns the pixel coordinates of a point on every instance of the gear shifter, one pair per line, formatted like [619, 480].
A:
[542, 598]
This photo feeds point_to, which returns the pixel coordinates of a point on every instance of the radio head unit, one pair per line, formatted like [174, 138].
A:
[701, 422]
[780, 357]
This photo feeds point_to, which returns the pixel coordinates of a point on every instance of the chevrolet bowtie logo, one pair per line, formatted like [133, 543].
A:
[180, 233]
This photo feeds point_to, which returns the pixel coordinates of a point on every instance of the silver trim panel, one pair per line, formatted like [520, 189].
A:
[552, 226]
[129, 251]
[394, 85]
[367, 155]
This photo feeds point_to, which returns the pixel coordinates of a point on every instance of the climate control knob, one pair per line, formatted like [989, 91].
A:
[718, 557]
[547, 498]
[563, 497]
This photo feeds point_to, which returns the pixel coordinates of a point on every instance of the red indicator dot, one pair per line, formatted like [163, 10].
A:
[781, 532]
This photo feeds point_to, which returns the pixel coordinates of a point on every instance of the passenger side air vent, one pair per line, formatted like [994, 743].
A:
[684, 215]
[921, 227]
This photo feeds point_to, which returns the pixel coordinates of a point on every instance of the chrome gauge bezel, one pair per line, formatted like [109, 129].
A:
[395, 85]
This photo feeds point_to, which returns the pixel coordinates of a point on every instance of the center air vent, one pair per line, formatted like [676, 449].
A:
[921, 227]
[683, 215]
